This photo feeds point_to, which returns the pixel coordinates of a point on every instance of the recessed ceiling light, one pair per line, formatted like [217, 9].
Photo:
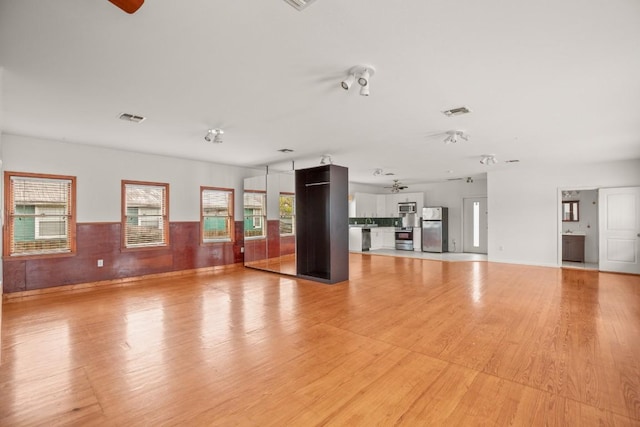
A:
[134, 118]
[457, 111]
[285, 150]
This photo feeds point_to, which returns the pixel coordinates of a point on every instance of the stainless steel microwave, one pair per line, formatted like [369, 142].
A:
[407, 207]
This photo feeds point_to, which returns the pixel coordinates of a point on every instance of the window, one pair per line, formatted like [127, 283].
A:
[216, 214]
[145, 214]
[255, 208]
[476, 224]
[287, 214]
[40, 213]
[570, 211]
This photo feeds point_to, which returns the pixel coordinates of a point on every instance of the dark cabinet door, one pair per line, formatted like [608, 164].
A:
[573, 248]
[322, 223]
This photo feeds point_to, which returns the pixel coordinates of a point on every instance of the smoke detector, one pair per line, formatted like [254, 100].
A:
[299, 4]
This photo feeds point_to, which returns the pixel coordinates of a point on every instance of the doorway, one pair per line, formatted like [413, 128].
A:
[474, 225]
[579, 231]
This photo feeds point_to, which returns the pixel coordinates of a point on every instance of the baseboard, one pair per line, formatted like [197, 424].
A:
[105, 284]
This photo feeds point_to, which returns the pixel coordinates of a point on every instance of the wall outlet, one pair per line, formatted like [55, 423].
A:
[500, 248]
[100, 263]
[242, 250]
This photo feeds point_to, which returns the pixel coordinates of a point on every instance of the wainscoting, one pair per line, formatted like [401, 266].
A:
[103, 241]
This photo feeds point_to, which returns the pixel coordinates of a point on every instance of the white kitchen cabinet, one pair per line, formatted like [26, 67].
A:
[355, 238]
[369, 205]
[388, 237]
[381, 205]
[391, 202]
[391, 205]
[366, 205]
[376, 238]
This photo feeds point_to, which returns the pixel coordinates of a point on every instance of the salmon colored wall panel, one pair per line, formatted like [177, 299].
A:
[273, 237]
[102, 241]
[287, 245]
[14, 276]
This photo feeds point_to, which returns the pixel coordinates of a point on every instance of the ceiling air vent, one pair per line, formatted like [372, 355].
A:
[299, 4]
[457, 111]
[131, 118]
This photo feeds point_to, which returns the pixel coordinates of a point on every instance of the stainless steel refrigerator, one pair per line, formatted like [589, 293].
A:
[435, 229]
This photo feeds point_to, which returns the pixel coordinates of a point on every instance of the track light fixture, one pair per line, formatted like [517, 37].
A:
[488, 159]
[453, 135]
[326, 159]
[363, 80]
[214, 135]
[363, 74]
[346, 83]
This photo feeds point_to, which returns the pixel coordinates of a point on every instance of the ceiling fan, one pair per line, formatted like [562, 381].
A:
[397, 186]
[129, 6]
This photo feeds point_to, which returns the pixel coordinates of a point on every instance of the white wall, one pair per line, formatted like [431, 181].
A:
[524, 207]
[363, 188]
[450, 194]
[99, 172]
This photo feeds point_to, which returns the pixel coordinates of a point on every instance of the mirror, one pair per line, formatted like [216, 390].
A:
[570, 211]
[254, 221]
[269, 220]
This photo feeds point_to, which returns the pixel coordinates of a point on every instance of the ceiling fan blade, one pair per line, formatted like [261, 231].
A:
[129, 6]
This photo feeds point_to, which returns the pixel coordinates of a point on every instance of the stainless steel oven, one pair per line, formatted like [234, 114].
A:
[404, 239]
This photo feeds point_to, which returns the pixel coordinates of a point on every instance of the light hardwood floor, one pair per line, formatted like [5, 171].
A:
[404, 341]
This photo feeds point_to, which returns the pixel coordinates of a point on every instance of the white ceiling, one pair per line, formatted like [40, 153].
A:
[549, 82]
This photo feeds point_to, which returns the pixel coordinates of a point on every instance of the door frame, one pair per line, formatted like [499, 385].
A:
[559, 222]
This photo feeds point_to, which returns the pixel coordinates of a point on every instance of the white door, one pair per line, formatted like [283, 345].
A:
[620, 229]
[475, 224]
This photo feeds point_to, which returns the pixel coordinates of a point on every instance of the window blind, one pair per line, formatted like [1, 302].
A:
[40, 215]
[146, 221]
